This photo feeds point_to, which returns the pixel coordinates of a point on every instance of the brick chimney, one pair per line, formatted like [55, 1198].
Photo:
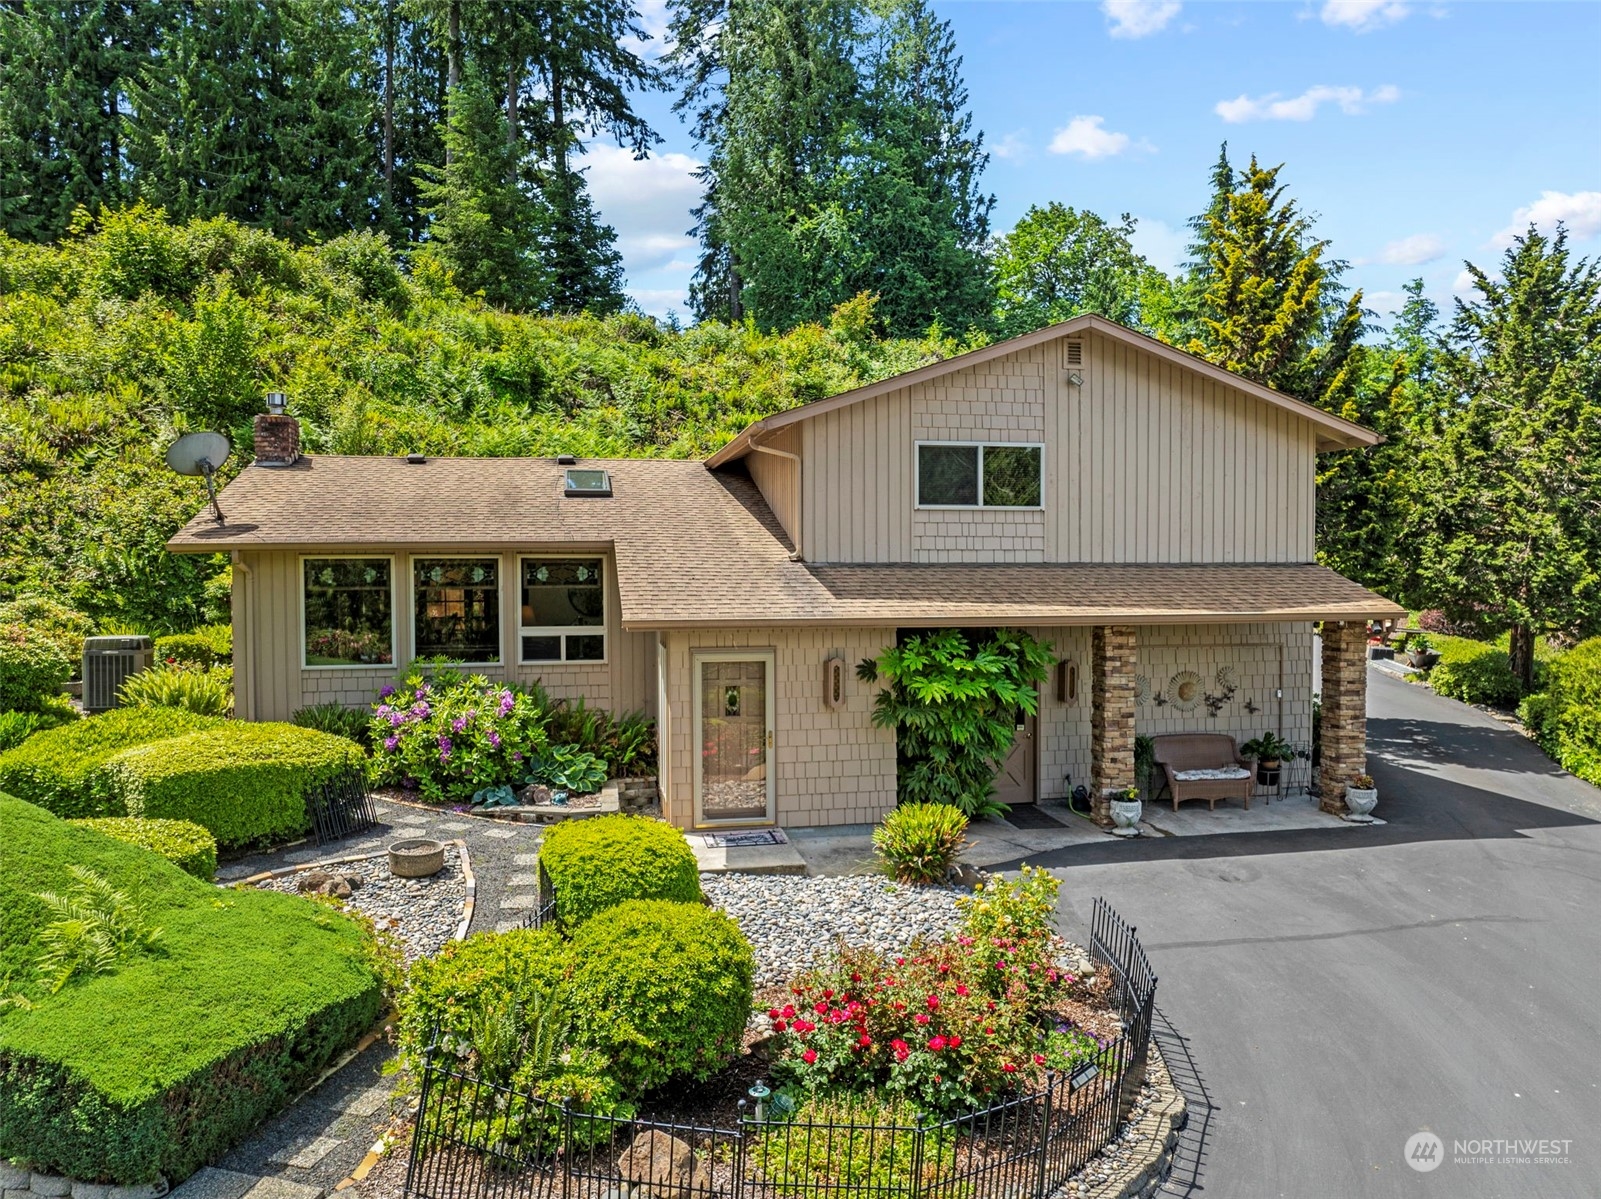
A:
[277, 440]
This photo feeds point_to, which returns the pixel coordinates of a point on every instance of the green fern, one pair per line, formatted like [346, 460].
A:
[92, 929]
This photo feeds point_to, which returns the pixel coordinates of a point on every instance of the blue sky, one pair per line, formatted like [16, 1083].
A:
[1418, 133]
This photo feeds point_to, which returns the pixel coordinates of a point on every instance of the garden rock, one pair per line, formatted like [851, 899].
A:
[658, 1166]
[963, 875]
[320, 882]
[534, 793]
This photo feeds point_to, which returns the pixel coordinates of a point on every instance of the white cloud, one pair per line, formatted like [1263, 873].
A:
[1086, 137]
[1579, 211]
[1385, 303]
[1274, 107]
[647, 201]
[1139, 18]
[1412, 251]
[1163, 246]
[1011, 148]
[1364, 16]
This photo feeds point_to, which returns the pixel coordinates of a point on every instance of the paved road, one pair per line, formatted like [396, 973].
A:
[1330, 993]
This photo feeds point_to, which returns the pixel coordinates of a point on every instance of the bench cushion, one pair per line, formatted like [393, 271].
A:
[1222, 772]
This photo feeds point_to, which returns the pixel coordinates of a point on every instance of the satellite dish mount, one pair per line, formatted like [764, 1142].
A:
[201, 454]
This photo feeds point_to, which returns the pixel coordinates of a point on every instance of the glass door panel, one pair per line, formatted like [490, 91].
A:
[733, 707]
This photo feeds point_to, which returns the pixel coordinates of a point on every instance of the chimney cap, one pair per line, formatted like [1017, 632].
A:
[566, 460]
[416, 459]
[277, 401]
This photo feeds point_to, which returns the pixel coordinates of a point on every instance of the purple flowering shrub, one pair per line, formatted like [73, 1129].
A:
[450, 736]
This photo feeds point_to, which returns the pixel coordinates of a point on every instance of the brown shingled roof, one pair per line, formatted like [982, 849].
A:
[696, 547]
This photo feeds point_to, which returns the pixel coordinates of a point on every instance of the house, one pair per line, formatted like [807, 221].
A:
[1148, 514]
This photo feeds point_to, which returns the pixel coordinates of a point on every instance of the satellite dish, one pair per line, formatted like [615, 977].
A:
[200, 454]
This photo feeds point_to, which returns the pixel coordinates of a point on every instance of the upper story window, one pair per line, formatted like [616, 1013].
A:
[959, 475]
[457, 608]
[563, 610]
[348, 612]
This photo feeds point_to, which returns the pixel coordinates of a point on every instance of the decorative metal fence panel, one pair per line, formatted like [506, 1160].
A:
[340, 807]
[475, 1140]
[544, 910]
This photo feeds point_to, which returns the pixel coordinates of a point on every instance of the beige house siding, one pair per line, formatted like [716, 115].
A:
[272, 682]
[1144, 462]
[830, 766]
[775, 476]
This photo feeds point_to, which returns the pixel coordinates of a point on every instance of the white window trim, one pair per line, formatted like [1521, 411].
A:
[500, 596]
[602, 630]
[981, 506]
[388, 667]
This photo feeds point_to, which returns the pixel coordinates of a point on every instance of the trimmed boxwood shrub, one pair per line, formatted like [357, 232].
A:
[246, 783]
[206, 646]
[1566, 718]
[172, 1059]
[599, 862]
[186, 845]
[32, 668]
[63, 769]
[662, 989]
[1474, 672]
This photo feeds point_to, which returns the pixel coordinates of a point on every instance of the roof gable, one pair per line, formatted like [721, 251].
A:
[1334, 433]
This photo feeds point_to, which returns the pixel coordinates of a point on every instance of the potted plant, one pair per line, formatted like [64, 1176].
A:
[1269, 750]
[1126, 809]
[1361, 796]
[1420, 653]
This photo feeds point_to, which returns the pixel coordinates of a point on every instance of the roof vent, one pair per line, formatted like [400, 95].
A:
[565, 460]
[416, 459]
[1073, 353]
[583, 483]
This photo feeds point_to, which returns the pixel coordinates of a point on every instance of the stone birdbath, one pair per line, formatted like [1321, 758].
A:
[417, 857]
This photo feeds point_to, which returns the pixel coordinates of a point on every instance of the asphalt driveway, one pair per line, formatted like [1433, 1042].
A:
[1327, 994]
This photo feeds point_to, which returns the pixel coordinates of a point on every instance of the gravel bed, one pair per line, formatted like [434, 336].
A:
[423, 912]
[792, 920]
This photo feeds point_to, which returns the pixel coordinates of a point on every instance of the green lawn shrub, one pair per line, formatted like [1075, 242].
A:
[247, 783]
[63, 626]
[919, 842]
[206, 690]
[64, 769]
[1474, 672]
[186, 845]
[1565, 718]
[352, 723]
[662, 989]
[176, 1054]
[209, 645]
[600, 862]
[17, 727]
[32, 668]
[857, 1156]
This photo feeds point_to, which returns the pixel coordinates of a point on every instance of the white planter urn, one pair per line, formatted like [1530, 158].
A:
[1361, 801]
[1126, 817]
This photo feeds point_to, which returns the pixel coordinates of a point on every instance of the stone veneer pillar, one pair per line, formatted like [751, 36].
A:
[1344, 734]
[1112, 656]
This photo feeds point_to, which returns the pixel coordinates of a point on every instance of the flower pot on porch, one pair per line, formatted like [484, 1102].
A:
[1126, 817]
[1267, 772]
[1361, 801]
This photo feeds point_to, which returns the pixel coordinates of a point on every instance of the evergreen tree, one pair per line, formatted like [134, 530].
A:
[1057, 263]
[486, 227]
[1268, 305]
[584, 269]
[1506, 523]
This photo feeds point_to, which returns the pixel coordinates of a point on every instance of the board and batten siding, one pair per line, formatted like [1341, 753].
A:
[271, 681]
[775, 475]
[1144, 462]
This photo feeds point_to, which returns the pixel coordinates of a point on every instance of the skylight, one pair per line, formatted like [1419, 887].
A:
[581, 482]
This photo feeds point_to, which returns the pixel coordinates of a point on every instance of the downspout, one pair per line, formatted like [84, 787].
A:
[237, 562]
[800, 548]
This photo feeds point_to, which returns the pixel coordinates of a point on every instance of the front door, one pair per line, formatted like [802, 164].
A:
[733, 703]
[1017, 781]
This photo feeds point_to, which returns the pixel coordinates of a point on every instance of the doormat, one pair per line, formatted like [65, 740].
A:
[754, 836]
[1030, 816]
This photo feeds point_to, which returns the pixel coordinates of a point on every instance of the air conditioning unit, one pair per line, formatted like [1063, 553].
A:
[107, 664]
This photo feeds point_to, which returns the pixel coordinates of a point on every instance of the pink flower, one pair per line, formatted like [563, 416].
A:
[789, 1011]
[1039, 1059]
[1009, 1068]
[864, 1040]
[810, 1056]
[921, 1017]
[773, 1013]
[933, 1003]
[954, 1041]
[936, 1043]
[961, 988]
[901, 1048]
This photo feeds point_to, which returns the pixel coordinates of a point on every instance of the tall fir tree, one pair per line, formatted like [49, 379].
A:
[485, 225]
[1505, 528]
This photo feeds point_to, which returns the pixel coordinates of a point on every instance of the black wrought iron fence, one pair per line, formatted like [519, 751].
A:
[544, 910]
[340, 807]
[475, 1140]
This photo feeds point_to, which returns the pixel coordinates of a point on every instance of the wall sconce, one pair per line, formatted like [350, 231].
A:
[1075, 378]
[834, 683]
[1067, 682]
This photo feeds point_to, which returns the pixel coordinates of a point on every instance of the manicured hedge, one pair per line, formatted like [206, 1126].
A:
[186, 845]
[662, 989]
[32, 668]
[63, 769]
[598, 863]
[1566, 717]
[206, 646]
[1475, 672]
[244, 782]
[168, 1062]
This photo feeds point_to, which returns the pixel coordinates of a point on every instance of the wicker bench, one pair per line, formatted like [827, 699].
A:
[1203, 766]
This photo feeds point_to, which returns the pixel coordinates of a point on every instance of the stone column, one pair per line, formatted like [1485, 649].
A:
[1111, 716]
[1345, 712]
